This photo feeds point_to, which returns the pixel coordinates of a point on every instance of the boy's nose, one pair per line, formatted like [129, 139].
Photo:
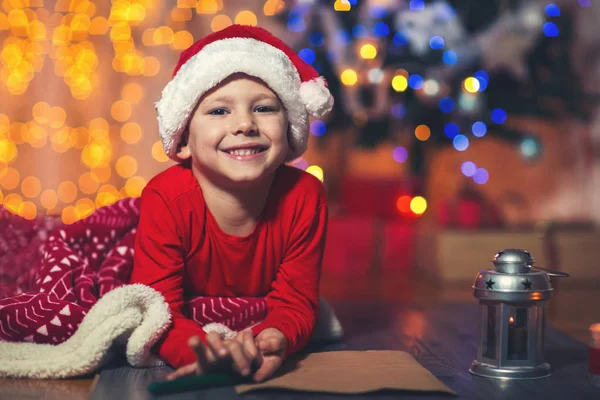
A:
[246, 126]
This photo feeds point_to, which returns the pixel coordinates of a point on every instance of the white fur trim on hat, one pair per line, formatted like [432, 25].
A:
[220, 59]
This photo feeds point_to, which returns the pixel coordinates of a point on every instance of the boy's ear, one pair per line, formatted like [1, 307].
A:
[184, 153]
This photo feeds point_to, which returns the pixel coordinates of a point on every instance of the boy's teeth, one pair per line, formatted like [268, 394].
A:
[244, 152]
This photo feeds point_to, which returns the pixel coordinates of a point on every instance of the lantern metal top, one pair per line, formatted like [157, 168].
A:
[513, 261]
[515, 278]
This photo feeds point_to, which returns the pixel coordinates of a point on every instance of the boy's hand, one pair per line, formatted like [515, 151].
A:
[239, 354]
[272, 345]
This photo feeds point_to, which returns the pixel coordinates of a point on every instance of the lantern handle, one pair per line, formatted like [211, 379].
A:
[551, 272]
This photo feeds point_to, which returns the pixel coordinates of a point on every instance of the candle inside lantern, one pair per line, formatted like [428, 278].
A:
[517, 341]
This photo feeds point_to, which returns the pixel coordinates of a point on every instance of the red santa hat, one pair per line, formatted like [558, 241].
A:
[255, 52]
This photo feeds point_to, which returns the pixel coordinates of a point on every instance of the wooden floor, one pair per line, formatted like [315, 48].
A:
[572, 309]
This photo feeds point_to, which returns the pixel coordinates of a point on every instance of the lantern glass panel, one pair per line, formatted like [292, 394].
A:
[517, 333]
[489, 339]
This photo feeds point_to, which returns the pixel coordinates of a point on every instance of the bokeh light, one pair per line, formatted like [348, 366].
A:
[418, 205]
[131, 132]
[368, 51]
[415, 81]
[451, 130]
[460, 142]
[468, 168]
[446, 104]
[318, 127]
[220, 22]
[31, 187]
[9, 178]
[399, 83]
[126, 166]
[48, 199]
[481, 176]
[471, 85]
[436, 43]
[246, 18]
[316, 171]
[134, 186]
[349, 77]
[398, 111]
[67, 191]
[422, 132]
[88, 183]
[479, 129]
[400, 154]
[499, 115]
[449, 57]
[403, 203]
[158, 152]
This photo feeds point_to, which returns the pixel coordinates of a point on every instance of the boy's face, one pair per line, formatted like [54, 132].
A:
[238, 133]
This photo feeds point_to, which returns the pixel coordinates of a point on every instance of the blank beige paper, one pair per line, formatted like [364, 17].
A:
[352, 372]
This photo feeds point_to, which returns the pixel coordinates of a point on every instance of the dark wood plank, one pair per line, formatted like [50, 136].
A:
[50, 389]
[442, 338]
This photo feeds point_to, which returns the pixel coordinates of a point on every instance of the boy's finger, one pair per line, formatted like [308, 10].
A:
[240, 362]
[189, 369]
[269, 346]
[204, 354]
[267, 369]
[216, 345]
[251, 350]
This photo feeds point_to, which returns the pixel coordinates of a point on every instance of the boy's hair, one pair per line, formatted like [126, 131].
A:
[248, 50]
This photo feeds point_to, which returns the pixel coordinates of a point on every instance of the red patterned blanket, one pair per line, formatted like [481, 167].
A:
[52, 275]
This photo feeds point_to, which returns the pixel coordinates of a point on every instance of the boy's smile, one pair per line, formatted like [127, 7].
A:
[238, 133]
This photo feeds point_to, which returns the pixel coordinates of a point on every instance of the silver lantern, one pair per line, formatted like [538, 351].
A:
[512, 299]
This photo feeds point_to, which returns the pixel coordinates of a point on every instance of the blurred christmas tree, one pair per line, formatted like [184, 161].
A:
[447, 72]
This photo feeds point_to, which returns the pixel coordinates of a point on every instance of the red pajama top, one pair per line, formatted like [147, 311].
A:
[181, 251]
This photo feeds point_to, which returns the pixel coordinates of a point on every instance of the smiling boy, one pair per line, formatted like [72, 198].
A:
[231, 219]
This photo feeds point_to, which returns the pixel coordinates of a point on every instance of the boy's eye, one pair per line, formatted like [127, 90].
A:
[265, 109]
[218, 111]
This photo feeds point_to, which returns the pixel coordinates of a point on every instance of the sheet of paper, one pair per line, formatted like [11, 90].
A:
[352, 372]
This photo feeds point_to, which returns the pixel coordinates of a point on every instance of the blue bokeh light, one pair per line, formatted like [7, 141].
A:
[436, 43]
[499, 116]
[460, 142]
[296, 24]
[451, 130]
[483, 79]
[316, 39]
[398, 111]
[468, 168]
[342, 38]
[417, 5]
[446, 104]
[359, 30]
[318, 127]
[381, 29]
[449, 57]
[550, 29]
[400, 39]
[481, 176]
[415, 81]
[479, 129]
[552, 10]
[307, 55]
[377, 11]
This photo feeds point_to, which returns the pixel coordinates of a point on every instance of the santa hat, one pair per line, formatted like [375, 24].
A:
[255, 52]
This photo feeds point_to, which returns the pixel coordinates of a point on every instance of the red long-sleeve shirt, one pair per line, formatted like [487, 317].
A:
[181, 251]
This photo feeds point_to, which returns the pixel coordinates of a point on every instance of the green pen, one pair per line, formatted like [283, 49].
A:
[188, 383]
